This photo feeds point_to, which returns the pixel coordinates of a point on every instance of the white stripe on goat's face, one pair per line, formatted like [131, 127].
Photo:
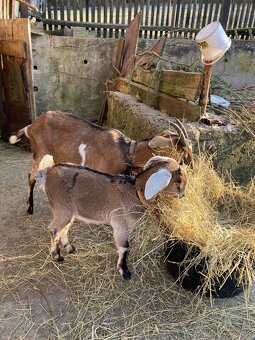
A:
[82, 152]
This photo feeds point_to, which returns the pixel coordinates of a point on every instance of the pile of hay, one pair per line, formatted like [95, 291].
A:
[218, 218]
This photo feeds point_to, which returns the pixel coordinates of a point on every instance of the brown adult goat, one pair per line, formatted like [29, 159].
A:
[67, 138]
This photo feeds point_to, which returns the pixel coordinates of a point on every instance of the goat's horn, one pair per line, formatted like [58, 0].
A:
[179, 123]
[180, 132]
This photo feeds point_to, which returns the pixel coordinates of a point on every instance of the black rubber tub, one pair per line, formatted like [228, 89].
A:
[178, 256]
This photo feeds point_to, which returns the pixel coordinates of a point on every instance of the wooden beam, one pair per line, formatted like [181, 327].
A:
[130, 46]
[180, 84]
[150, 54]
[118, 62]
[205, 89]
[13, 48]
[28, 5]
[173, 106]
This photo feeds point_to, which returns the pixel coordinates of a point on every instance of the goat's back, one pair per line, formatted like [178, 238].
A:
[71, 139]
[89, 193]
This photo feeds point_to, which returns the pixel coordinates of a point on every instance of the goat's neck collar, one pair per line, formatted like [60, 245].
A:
[131, 151]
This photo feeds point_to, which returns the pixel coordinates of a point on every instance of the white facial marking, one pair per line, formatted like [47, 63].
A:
[82, 152]
[156, 183]
[155, 159]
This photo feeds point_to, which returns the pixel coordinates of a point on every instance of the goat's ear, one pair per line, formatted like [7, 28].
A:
[158, 142]
[156, 183]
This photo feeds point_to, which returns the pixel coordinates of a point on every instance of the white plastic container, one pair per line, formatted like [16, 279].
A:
[213, 42]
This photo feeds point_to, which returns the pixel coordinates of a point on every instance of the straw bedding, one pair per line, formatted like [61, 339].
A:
[85, 297]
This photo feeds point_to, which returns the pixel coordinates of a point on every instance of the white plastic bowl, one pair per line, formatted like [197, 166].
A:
[213, 42]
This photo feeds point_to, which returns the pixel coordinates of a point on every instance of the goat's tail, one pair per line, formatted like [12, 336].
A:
[15, 138]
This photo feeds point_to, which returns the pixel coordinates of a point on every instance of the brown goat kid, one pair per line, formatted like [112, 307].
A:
[67, 138]
[77, 192]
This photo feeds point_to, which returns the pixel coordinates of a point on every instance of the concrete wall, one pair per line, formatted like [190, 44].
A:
[70, 73]
[237, 67]
[233, 149]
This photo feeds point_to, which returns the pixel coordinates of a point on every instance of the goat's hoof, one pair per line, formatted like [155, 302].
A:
[70, 249]
[126, 274]
[59, 258]
[30, 210]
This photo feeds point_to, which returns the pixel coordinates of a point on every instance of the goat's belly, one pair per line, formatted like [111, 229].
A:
[89, 220]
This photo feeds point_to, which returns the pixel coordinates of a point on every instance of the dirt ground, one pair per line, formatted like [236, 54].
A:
[85, 298]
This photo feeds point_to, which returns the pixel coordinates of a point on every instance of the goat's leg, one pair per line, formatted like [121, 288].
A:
[31, 183]
[40, 162]
[30, 198]
[120, 235]
[65, 240]
[58, 229]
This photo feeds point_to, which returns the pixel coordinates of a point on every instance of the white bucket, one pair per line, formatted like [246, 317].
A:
[213, 42]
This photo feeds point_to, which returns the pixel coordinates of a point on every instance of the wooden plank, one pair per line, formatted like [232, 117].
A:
[171, 105]
[105, 18]
[252, 16]
[163, 15]
[142, 20]
[117, 17]
[157, 17]
[111, 17]
[81, 10]
[118, 62]
[147, 56]
[55, 11]
[68, 12]
[21, 31]
[130, 15]
[49, 12]
[131, 40]
[13, 48]
[246, 16]
[225, 10]
[205, 14]
[152, 17]
[146, 18]
[180, 84]
[1, 97]
[217, 10]
[99, 7]
[123, 12]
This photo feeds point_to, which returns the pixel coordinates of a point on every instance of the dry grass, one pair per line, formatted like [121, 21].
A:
[216, 216]
[85, 297]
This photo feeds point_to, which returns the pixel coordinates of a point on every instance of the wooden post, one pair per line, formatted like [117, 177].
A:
[205, 89]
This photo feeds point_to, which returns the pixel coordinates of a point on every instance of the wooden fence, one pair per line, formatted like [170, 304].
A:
[110, 18]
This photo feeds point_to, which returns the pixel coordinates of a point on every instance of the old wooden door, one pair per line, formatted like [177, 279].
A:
[17, 104]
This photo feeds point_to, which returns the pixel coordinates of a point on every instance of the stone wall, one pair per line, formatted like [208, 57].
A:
[232, 148]
[69, 73]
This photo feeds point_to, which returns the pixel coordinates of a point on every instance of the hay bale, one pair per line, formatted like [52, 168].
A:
[210, 232]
